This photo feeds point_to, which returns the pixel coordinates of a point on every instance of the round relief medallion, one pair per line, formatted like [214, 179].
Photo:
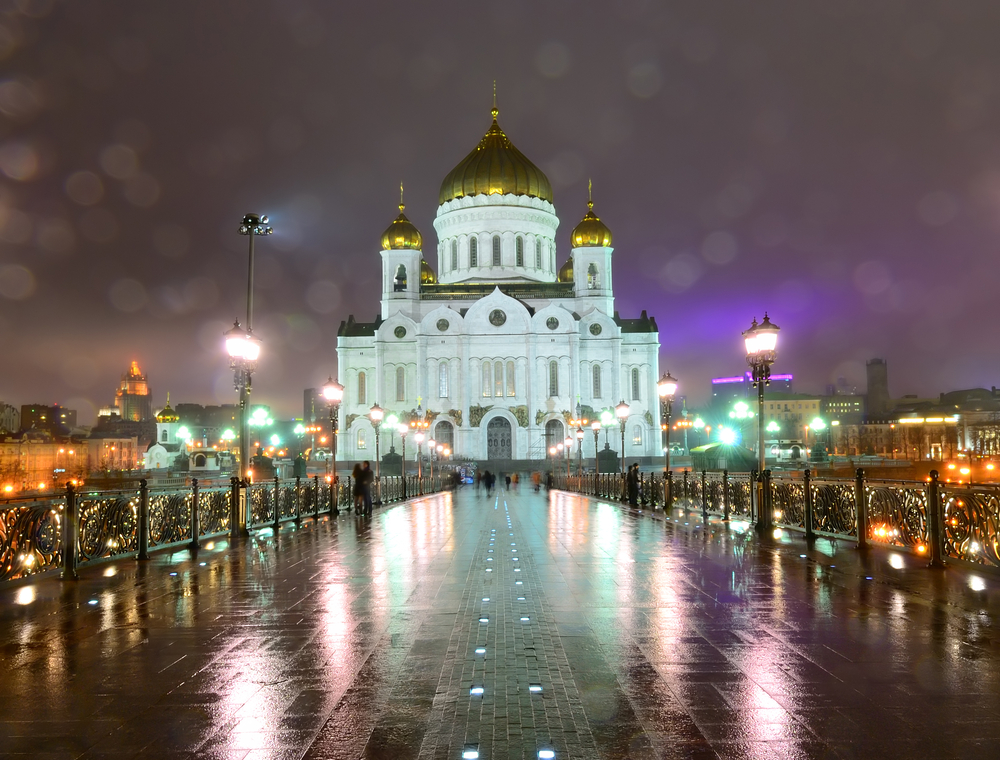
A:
[595, 329]
[497, 318]
[442, 324]
[552, 323]
[399, 332]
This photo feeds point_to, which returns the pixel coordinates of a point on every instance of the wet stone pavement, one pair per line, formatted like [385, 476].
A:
[511, 626]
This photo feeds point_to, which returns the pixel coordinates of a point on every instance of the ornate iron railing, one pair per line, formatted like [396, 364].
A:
[929, 518]
[61, 532]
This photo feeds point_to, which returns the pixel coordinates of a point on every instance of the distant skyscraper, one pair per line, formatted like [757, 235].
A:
[132, 399]
[878, 389]
[310, 403]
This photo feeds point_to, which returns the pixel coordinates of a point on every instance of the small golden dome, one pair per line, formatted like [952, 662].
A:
[402, 234]
[495, 167]
[566, 271]
[167, 414]
[427, 276]
[591, 232]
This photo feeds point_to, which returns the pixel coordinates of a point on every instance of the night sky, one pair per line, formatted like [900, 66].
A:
[835, 163]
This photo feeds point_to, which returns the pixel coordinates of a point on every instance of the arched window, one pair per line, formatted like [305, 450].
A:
[443, 380]
[400, 384]
[597, 381]
[361, 387]
[519, 251]
[473, 252]
[164, 436]
[635, 385]
[454, 255]
[498, 379]
[538, 253]
[444, 433]
[496, 250]
[553, 434]
[510, 379]
[637, 435]
[362, 441]
[593, 281]
[487, 379]
[200, 460]
[553, 379]
[399, 282]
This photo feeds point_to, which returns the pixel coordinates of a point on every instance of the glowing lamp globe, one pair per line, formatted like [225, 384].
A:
[376, 413]
[667, 386]
[621, 411]
[333, 391]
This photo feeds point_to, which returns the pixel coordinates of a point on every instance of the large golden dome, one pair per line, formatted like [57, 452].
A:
[402, 234]
[495, 167]
[591, 232]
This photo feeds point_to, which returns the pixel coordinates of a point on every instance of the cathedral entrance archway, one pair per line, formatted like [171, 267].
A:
[553, 434]
[498, 439]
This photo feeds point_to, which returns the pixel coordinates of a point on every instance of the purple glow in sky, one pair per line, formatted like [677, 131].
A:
[836, 164]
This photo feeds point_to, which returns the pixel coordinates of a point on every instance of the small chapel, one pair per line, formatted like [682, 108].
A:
[500, 347]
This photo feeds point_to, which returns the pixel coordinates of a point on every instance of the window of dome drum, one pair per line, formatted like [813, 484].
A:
[538, 254]
[473, 252]
[496, 250]
[454, 254]
[519, 251]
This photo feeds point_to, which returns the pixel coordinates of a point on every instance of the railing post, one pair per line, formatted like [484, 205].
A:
[234, 509]
[69, 535]
[143, 520]
[861, 508]
[315, 497]
[669, 488]
[935, 516]
[333, 500]
[195, 517]
[807, 504]
[725, 495]
[298, 500]
[277, 503]
[704, 498]
[685, 491]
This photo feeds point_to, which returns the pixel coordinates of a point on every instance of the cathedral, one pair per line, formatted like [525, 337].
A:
[500, 348]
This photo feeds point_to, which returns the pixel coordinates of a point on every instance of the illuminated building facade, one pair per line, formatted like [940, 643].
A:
[132, 399]
[501, 346]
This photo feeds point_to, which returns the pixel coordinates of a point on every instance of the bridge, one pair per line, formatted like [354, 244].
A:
[527, 625]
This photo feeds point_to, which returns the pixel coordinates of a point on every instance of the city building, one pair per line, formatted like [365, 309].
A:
[132, 399]
[791, 412]
[843, 409]
[55, 418]
[502, 346]
[879, 403]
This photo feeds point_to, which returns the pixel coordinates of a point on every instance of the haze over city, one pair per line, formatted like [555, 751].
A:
[834, 164]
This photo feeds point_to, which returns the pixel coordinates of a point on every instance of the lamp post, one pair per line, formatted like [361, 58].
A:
[375, 414]
[596, 427]
[621, 412]
[761, 342]
[403, 429]
[568, 444]
[243, 349]
[333, 392]
[430, 457]
[666, 388]
[419, 438]
[579, 452]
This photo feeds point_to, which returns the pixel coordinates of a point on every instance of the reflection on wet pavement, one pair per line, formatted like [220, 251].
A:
[510, 627]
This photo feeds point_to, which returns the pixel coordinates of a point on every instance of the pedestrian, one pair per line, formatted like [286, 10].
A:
[479, 480]
[507, 480]
[358, 474]
[487, 482]
[632, 483]
[536, 480]
[550, 481]
[367, 476]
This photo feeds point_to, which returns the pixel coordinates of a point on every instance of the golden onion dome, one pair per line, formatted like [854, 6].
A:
[167, 414]
[566, 271]
[591, 232]
[401, 234]
[427, 276]
[495, 167]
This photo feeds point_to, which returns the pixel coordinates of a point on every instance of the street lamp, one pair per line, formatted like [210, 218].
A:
[244, 350]
[431, 448]
[621, 412]
[761, 342]
[666, 388]
[579, 451]
[403, 429]
[596, 427]
[568, 448]
[333, 392]
[375, 414]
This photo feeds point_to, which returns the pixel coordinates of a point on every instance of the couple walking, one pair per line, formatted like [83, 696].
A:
[363, 479]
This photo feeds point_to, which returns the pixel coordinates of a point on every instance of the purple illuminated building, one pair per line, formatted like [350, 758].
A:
[726, 390]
